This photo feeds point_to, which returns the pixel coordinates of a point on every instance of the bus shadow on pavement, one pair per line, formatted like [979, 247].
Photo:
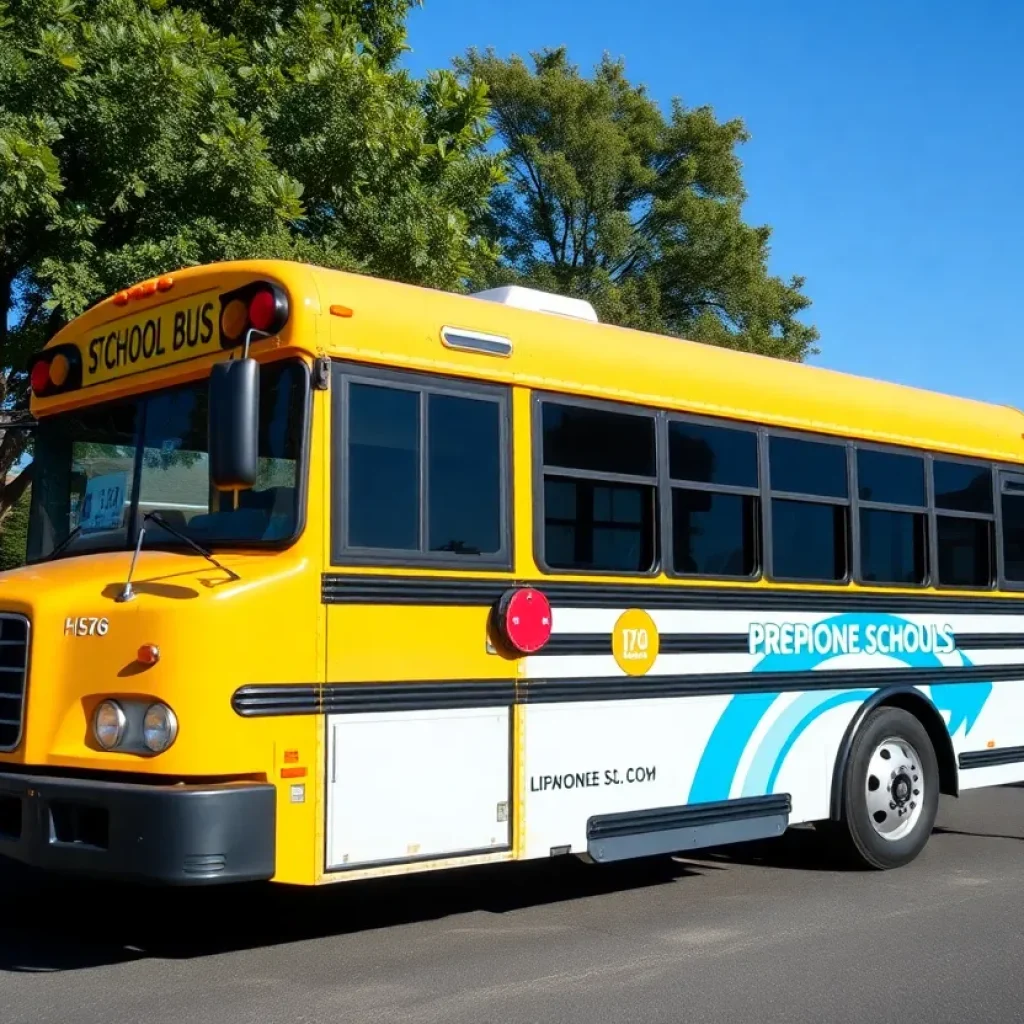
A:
[61, 925]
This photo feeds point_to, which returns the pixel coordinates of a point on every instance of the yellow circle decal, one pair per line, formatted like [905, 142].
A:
[635, 642]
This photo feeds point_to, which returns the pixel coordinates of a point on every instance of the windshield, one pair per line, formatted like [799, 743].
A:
[99, 471]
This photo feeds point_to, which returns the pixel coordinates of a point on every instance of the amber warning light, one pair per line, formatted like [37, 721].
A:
[524, 619]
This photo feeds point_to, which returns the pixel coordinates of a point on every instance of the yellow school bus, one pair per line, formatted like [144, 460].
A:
[332, 577]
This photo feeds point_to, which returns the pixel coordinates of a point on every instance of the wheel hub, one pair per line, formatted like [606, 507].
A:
[894, 788]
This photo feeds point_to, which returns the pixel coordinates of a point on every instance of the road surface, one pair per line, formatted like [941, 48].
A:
[768, 932]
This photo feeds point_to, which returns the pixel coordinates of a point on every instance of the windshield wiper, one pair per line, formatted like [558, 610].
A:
[186, 539]
[63, 544]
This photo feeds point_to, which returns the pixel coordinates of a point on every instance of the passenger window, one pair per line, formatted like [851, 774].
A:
[893, 542]
[715, 510]
[893, 546]
[714, 534]
[424, 472]
[1012, 500]
[578, 437]
[463, 475]
[807, 467]
[712, 455]
[592, 525]
[965, 551]
[890, 478]
[1013, 537]
[965, 541]
[597, 515]
[963, 487]
[810, 539]
[383, 468]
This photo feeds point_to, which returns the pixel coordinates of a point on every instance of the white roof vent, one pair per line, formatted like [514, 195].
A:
[539, 302]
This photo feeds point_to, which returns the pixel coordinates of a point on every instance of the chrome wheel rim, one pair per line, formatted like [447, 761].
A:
[894, 788]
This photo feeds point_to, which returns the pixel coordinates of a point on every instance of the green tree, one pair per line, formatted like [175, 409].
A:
[611, 201]
[14, 536]
[137, 136]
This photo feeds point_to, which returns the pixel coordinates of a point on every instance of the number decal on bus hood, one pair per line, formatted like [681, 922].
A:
[85, 626]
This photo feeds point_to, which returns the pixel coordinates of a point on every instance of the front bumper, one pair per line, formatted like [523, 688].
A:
[178, 835]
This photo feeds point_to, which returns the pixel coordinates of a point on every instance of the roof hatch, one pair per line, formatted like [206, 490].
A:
[539, 302]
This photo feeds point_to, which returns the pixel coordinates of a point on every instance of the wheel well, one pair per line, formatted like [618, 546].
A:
[915, 703]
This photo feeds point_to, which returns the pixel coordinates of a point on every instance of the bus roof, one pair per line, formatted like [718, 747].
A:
[372, 320]
[398, 324]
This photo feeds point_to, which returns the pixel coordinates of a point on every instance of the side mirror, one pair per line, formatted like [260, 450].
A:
[234, 422]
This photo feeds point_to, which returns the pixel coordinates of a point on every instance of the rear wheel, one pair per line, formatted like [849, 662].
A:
[890, 790]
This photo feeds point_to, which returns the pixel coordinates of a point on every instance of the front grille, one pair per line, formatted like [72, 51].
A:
[14, 637]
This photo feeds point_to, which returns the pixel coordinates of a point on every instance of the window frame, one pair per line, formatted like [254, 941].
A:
[670, 485]
[1003, 471]
[539, 471]
[770, 494]
[343, 375]
[931, 564]
[994, 517]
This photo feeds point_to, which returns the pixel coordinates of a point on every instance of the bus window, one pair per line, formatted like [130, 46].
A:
[809, 534]
[892, 517]
[423, 476]
[965, 558]
[599, 490]
[1013, 527]
[964, 523]
[715, 517]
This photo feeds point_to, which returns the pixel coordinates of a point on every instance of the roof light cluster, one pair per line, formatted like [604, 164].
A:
[143, 290]
[260, 307]
[55, 370]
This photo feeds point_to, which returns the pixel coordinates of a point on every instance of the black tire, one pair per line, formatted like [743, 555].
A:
[856, 832]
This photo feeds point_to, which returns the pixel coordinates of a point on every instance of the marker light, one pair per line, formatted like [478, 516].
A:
[524, 619]
[159, 728]
[148, 654]
[109, 724]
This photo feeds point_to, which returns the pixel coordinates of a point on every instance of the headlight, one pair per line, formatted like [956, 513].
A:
[108, 724]
[159, 728]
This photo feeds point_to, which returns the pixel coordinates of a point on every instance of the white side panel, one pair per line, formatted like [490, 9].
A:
[414, 784]
[608, 756]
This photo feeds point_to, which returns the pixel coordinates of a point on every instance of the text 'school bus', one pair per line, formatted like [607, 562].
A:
[332, 577]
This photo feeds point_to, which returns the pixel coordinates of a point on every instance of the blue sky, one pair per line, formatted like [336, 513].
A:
[886, 153]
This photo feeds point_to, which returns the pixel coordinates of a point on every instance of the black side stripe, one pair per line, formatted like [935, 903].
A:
[353, 698]
[345, 588]
[989, 641]
[991, 758]
[668, 643]
[737, 643]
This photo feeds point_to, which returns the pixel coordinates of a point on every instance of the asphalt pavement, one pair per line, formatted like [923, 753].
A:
[765, 932]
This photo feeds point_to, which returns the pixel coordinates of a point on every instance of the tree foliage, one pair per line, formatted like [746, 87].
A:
[137, 136]
[610, 200]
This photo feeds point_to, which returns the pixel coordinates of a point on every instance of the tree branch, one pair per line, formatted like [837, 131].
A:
[15, 490]
[545, 210]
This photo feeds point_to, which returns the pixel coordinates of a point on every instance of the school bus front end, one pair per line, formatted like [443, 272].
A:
[152, 595]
